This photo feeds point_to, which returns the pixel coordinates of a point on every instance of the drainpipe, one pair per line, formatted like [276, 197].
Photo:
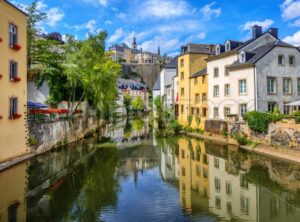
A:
[255, 89]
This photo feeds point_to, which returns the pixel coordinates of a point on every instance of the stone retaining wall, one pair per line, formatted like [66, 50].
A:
[49, 135]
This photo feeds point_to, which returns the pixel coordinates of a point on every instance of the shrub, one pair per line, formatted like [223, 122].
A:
[241, 139]
[297, 116]
[259, 122]
[32, 141]
[198, 121]
[189, 119]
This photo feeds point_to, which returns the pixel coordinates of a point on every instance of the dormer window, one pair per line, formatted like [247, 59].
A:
[227, 46]
[242, 57]
[218, 50]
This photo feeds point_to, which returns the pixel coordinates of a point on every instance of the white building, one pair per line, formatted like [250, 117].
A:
[259, 74]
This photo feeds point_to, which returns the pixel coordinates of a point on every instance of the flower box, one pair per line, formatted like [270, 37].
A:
[1, 76]
[1, 39]
[16, 79]
[15, 116]
[16, 47]
[1, 117]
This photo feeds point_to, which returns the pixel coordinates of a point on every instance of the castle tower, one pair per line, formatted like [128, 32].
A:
[158, 50]
[134, 45]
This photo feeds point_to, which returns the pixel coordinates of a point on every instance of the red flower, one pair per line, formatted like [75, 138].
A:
[1, 76]
[1, 39]
[16, 79]
[15, 116]
[16, 47]
[0, 117]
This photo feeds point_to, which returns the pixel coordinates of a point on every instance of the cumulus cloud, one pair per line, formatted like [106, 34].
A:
[54, 15]
[293, 39]
[90, 26]
[208, 11]
[164, 9]
[290, 9]
[265, 24]
[108, 22]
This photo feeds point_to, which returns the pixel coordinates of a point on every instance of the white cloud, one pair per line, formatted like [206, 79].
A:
[265, 24]
[195, 37]
[207, 11]
[163, 9]
[290, 9]
[108, 22]
[119, 33]
[91, 26]
[293, 39]
[103, 3]
[166, 44]
[54, 15]
[296, 23]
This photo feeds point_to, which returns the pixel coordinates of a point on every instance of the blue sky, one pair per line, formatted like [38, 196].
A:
[170, 23]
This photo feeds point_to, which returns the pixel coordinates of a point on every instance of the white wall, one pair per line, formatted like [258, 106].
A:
[37, 94]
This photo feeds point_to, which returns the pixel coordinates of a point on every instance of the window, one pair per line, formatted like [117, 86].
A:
[195, 81]
[218, 51]
[182, 109]
[298, 86]
[227, 90]
[13, 106]
[243, 86]
[216, 91]
[183, 171]
[226, 111]
[192, 111]
[216, 72]
[182, 91]
[205, 173]
[182, 75]
[13, 69]
[181, 62]
[197, 98]
[227, 46]
[271, 106]
[198, 170]
[217, 184]
[271, 85]
[182, 154]
[205, 160]
[287, 86]
[12, 212]
[216, 163]
[291, 60]
[226, 70]
[243, 109]
[13, 35]
[216, 112]
[243, 181]
[197, 111]
[204, 112]
[218, 202]
[204, 97]
[203, 79]
[281, 60]
[242, 57]
[286, 109]
[228, 188]
[245, 205]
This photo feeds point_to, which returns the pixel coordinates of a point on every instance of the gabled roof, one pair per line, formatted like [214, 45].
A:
[157, 84]
[198, 48]
[199, 73]
[15, 7]
[173, 64]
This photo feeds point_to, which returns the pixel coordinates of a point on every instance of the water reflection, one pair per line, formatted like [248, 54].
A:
[177, 179]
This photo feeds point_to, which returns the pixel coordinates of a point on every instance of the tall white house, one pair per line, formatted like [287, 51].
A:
[259, 74]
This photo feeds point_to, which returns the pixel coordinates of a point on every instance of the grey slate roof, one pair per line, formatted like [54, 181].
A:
[157, 84]
[173, 64]
[197, 48]
[200, 73]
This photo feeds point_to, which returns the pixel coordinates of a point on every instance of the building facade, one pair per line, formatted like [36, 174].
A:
[13, 80]
[192, 61]
[259, 74]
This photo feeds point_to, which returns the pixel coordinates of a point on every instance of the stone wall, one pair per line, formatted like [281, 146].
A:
[49, 135]
[285, 133]
[215, 126]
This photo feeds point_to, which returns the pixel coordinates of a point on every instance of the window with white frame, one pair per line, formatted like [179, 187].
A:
[218, 50]
[13, 69]
[227, 90]
[243, 109]
[216, 72]
[242, 57]
[243, 86]
[281, 60]
[13, 35]
[271, 85]
[216, 91]
[226, 111]
[271, 106]
[226, 71]
[197, 98]
[227, 46]
[216, 112]
[287, 85]
[291, 60]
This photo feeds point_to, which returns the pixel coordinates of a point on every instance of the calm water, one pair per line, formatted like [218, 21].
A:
[140, 177]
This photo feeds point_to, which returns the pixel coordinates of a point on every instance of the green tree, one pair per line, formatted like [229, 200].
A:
[127, 98]
[137, 104]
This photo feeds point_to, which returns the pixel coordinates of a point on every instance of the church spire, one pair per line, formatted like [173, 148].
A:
[134, 45]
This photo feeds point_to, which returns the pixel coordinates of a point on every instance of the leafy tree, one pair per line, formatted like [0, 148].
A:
[127, 98]
[137, 104]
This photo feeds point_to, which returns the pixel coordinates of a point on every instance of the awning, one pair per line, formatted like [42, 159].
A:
[296, 103]
[35, 105]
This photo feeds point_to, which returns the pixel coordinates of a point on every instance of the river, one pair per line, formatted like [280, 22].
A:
[130, 174]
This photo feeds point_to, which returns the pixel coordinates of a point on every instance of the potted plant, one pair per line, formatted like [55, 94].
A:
[16, 79]
[15, 116]
[16, 47]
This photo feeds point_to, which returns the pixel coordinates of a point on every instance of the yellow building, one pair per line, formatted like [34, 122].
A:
[193, 83]
[194, 184]
[13, 82]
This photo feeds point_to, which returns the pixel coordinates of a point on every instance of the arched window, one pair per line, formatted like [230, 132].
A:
[227, 46]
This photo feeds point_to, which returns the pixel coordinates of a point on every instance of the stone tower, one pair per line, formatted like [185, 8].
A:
[134, 45]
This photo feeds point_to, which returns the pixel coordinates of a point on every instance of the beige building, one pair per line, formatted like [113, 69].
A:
[13, 82]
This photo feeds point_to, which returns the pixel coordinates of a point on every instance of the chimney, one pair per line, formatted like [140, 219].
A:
[273, 32]
[256, 31]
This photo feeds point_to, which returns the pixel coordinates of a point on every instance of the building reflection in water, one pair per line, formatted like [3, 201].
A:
[13, 186]
[231, 185]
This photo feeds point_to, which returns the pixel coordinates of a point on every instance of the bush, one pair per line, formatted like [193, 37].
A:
[241, 139]
[32, 141]
[259, 122]
[198, 121]
[297, 116]
[189, 119]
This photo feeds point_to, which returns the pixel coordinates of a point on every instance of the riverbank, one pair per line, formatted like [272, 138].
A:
[277, 152]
